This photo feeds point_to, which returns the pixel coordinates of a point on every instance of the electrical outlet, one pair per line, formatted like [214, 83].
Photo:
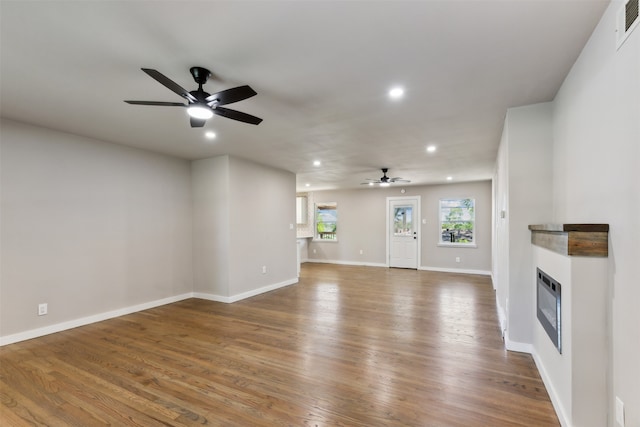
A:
[314, 251]
[619, 412]
[42, 309]
[457, 259]
[361, 251]
[264, 269]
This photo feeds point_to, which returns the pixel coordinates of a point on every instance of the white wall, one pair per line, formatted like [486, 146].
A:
[597, 179]
[97, 230]
[210, 187]
[88, 227]
[362, 225]
[244, 220]
[442, 257]
[530, 178]
[594, 158]
[522, 185]
[500, 251]
[576, 378]
[262, 214]
[523, 192]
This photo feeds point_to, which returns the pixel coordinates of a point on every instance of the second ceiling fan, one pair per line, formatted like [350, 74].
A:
[384, 180]
[200, 104]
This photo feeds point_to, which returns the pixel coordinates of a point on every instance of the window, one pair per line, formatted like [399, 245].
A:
[326, 215]
[457, 222]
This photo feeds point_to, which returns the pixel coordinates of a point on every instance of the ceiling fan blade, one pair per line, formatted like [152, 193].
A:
[197, 123]
[398, 180]
[237, 115]
[230, 96]
[169, 84]
[164, 104]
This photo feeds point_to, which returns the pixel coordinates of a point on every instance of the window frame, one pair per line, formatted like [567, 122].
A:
[441, 242]
[316, 234]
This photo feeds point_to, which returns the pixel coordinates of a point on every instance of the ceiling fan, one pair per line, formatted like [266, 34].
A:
[200, 104]
[384, 181]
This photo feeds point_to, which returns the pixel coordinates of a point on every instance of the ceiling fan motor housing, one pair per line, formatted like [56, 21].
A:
[200, 74]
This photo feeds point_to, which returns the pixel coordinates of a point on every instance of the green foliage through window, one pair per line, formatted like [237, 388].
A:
[403, 221]
[457, 221]
[326, 216]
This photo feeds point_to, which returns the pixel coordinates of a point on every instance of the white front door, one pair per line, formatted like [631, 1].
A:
[403, 238]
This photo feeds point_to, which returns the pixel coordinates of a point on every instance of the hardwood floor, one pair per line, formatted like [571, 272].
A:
[347, 346]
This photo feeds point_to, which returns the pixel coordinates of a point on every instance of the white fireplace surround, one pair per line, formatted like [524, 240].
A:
[576, 379]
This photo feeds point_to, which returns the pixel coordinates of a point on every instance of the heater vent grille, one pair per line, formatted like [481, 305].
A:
[631, 14]
[627, 20]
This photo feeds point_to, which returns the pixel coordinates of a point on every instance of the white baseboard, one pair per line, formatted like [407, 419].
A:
[553, 394]
[520, 347]
[379, 264]
[244, 295]
[456, 270]
[212, 297]
[502, 318]
[59, 327]
[63, 326]
[529, 348]
[357, 263]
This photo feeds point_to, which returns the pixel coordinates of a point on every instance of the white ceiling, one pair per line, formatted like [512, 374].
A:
[321, 69]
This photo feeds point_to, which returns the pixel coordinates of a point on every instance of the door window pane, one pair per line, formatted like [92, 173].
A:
[403, 221]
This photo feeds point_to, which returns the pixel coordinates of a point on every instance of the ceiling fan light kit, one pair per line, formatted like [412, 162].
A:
[200, 104]
[199, 112]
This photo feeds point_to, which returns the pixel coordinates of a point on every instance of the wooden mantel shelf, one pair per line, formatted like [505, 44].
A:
[572, 239]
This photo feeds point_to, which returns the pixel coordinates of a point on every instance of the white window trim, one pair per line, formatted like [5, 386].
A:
[458, 245]
[440, 243]
[315, 238]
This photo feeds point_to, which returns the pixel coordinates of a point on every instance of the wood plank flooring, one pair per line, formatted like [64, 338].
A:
[346, 346]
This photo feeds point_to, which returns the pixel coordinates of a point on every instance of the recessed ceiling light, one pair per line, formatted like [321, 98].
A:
[316, 163]
[431, 149]
[210, 134]
[396, 93]
[307, 185]
[371, 183]
[449, 178]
